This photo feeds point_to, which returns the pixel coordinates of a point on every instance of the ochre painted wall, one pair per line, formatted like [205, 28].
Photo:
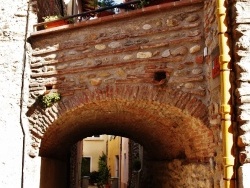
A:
[114, 155]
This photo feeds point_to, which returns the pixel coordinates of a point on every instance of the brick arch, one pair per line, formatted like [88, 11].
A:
[168, 123]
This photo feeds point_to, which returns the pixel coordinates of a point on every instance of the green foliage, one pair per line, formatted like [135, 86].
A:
[52, 18]
[144, 3]
[49, 99]
[103, 170]
[70, 20]
[106, 3]
[57, 17]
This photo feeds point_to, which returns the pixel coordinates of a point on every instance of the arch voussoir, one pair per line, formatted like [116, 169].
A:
[157, 106]
[182, 102]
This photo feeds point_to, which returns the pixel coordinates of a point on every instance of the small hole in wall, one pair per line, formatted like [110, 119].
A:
[160, 75]
[48, 87]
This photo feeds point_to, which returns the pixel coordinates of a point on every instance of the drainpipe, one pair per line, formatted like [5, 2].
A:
[22, 93]
[226, 106]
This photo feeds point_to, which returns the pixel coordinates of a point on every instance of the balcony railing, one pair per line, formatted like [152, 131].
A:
[127, 6]
[92, 13]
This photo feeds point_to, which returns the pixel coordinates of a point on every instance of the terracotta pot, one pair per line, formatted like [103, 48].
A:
[55, 24]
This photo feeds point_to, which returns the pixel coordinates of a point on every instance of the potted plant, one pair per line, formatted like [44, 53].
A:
[54, 21]
[50, 9]
[94, 177]
[103, 172]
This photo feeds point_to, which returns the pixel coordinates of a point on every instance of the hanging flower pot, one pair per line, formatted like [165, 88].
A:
[55, 24]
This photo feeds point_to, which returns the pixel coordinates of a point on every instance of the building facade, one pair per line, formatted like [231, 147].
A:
[175, 80]
[118, 160]
[93, 147]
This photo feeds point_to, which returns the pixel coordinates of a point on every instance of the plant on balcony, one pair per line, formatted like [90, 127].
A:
[144, 3]
[106, 3]
[59, 21]
[50, 8]
[52, 18]
[103, 4]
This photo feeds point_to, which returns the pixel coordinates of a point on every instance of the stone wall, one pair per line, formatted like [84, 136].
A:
[96, 54]
[12, 52]
[115, 64]
[14, 133]
[241, 57]
[213, 76]
[132, 51]
[12, 64]
[133, 155]
[179, 173]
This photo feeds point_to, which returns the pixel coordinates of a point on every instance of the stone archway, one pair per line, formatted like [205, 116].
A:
[150, 86]
[170, 122]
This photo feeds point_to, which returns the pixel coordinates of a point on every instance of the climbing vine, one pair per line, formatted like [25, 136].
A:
[49, 99]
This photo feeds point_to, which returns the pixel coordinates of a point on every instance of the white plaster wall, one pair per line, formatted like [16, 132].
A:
[124, 162]
[12, 24]
[14, 135]
[243, 174]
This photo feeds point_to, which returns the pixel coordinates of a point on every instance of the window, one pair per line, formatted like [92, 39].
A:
[85, 167]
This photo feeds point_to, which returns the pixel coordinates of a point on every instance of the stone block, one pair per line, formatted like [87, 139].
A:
[144, 55]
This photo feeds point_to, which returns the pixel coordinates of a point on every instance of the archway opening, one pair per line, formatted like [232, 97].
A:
[167, 134]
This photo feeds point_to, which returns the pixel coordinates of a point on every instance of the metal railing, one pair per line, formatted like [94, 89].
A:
[86, 15]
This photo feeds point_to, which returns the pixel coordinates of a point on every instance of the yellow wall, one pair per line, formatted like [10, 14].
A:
[113, 153]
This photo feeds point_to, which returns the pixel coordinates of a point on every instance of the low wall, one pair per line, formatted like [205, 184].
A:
[178, 173]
